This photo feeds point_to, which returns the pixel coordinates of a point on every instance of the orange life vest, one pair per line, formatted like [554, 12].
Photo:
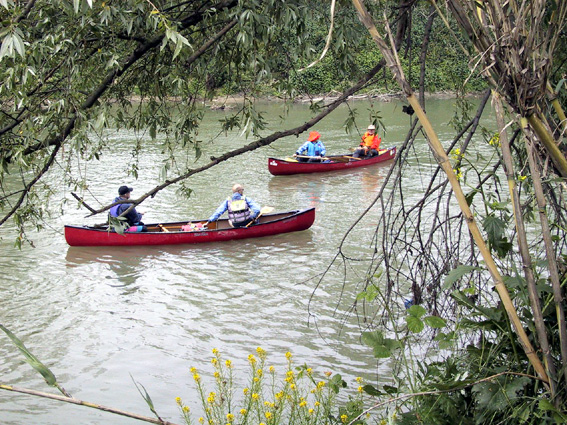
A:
[371, 141]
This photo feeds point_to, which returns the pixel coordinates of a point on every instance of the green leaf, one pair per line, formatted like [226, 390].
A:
[76, 4]
[458, 273]
[416, 311]
[435, 322]
[415, 324]
[336, 383]
[382, 347]
[390, 390]
[31, 359]
[145, 396]
[493, 226]
[371, 390]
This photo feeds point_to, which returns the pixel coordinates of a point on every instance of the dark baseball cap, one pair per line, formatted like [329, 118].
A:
[123, 190]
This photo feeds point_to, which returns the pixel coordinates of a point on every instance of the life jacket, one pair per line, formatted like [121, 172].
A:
[114, 210]
[238, 211]
[371, 141]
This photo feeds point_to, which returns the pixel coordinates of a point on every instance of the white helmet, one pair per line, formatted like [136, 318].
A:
[371, 127]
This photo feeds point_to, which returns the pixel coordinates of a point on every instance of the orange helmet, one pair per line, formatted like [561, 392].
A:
[314, 135]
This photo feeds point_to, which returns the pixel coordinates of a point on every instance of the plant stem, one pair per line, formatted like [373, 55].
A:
[523, 245]
[85, 403]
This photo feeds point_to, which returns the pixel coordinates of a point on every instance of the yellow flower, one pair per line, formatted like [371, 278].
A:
[268, 415]
[267, 403]
[201, 420]
[495, 140]
[214, 360]
[311, 411]
[292, 386]
[317, 404]
[303, 404]
[211, 398]
[251, 358]
[272, 369]
[261, 352]
[186, 409]
[320, 384]
[178, 400]
[255, 396]
[243, 411]
[256, 379]
[359, 389]
[196, 377]
[193, 370]
[245, 391]
[259, 372]
[215, 351]
[522, 178]
[359, 379]
[289, 373]
[288, 355]
[309, 371]
[279, 395]
[229, 417]
[216, 374]
[328, 373]
[344, 418]
[228, 364]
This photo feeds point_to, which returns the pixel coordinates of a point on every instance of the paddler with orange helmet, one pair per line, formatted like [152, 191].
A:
[311, 151]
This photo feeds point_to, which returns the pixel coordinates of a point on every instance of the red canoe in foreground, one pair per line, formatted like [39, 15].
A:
[280, 167]
[270, 224]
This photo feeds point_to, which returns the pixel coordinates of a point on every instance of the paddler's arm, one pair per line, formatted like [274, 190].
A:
[254, 207]
[220, 211]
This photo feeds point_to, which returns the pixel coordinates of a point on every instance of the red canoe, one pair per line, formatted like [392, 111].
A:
[280, 167]
[270, 224]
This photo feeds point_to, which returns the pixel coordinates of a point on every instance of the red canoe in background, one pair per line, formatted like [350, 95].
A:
[280, 167]
[171, 233]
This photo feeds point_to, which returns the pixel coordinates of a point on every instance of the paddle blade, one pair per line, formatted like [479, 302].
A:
[266, 210]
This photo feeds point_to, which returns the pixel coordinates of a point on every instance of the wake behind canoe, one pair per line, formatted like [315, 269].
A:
[270, 224]
[337, 162]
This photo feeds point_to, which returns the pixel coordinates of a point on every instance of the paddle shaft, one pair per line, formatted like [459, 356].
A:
[307, 156]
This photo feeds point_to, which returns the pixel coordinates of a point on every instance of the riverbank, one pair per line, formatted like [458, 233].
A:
[229, 101]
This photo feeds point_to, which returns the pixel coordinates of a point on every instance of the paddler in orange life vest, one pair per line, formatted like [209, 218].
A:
[241, 209]
[370, 144]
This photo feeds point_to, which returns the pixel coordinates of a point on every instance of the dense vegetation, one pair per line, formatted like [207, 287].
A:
[488, 292]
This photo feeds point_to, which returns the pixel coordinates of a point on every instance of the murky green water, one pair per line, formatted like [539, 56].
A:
[99, 316]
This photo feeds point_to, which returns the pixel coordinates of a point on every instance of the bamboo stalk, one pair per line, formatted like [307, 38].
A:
[443, 160]
[552, 96]
[523, 246]
[86, 404]
[551, 148]
[558, 297]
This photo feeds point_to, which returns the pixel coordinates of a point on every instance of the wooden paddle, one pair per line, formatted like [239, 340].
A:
[163, 228]
[264, 210]
[307, 156]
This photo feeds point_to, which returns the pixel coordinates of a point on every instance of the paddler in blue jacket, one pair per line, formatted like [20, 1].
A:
[241, 209]
[134, 218]
[313, 148]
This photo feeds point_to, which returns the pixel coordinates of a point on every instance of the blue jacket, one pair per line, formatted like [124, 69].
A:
[133, 217]
[312, 149]
[254, 208]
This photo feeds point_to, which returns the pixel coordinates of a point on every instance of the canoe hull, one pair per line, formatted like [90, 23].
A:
[280, 167]
[270, 224]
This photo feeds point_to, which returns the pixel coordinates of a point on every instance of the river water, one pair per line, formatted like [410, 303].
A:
[101, 317]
